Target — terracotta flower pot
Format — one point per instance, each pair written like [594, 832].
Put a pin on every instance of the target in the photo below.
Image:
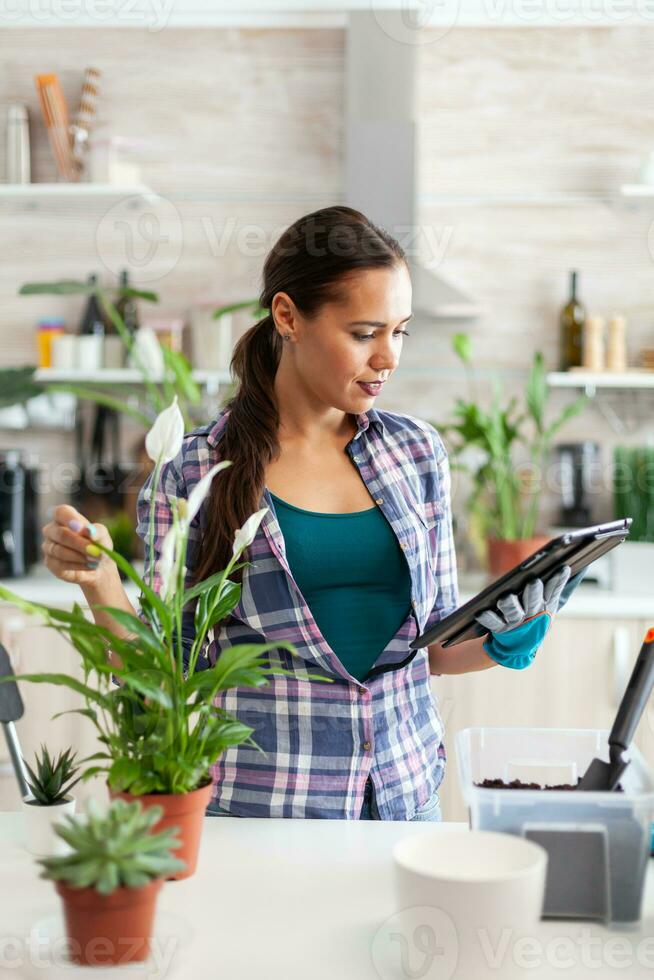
[105, 929]
[183, 810]
[504, 555]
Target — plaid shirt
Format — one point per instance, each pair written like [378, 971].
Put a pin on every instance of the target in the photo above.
[322, 741]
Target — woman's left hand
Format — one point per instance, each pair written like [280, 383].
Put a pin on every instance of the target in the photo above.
[517, 629]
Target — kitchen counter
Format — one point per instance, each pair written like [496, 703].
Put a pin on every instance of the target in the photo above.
[298, 899]
[40, 585]
[587, 602]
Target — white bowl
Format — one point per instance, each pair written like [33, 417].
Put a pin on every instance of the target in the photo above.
[468, 887]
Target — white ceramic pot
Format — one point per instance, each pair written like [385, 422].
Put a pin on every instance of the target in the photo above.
[462, 891]
[40, 838]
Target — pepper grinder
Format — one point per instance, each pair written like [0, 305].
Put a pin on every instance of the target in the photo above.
[616, 357]
[18, 145]
[593, 346]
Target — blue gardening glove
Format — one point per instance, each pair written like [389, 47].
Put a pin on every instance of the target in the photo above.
[517, 633]
[571, 586]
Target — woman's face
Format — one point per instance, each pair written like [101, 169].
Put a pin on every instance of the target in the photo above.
[358, 339]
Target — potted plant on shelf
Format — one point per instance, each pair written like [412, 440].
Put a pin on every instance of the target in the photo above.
[633, 496]
[164, 372]
[49, 783]
[159, 728]
[504, 504]
[109, 881]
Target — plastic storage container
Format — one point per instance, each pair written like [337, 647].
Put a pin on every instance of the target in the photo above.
[598, 844]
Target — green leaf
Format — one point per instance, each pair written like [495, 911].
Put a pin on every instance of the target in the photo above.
[141, 632]
[568, 413]
[248, 304]
[144, 294]
[17, 385]
[123, 773]
[462, 346]
[536, 391]
[155, 601]
[239, 665]
[150, 683]
[181, 369]
[196, 590]
[61, 680]
[62, 287]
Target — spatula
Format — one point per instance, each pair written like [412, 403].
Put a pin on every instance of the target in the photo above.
[11, 709]
[602, 775]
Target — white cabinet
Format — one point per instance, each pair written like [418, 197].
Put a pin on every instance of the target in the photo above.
[576, 681]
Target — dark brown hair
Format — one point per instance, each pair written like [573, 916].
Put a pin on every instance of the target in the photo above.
[309, 262]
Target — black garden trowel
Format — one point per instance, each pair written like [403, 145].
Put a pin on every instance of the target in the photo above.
[602, 775]
[11, 709]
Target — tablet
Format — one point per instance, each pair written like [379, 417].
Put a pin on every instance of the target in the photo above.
[576, 548]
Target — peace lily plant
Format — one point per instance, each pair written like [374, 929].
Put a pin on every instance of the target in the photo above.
[159, 729]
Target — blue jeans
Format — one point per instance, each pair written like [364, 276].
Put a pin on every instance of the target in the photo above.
[430, 810]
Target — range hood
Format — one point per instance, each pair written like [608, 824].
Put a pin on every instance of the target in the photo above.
[380, 151]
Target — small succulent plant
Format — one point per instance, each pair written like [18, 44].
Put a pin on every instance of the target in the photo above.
[113, 849]
[53, 779]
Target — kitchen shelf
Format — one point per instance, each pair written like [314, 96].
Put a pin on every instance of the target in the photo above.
[624, 398]
[513, 199]
[32, 194]
[638, 191]
[120, 376]
[591, 380]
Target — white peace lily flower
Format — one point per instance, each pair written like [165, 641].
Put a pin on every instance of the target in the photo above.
[164, 440]
[167, 563]
[147, 354]
[245, 535]
[201, 489]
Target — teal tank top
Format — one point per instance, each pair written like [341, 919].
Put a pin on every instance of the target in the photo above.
[353, 575]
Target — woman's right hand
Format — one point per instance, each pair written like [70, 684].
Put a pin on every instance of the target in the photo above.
[65, 547]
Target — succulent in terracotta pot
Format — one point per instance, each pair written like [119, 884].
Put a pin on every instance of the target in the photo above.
[110, 879]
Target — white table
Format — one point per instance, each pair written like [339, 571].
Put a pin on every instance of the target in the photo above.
[306, 900]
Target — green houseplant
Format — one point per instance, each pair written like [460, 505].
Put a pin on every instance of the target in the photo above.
[122, 533]
[504, 503]
[165, 373]
[109, 879]
[159, 728]
[49, 781]
[633, 496]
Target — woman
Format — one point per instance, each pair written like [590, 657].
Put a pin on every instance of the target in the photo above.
[353, 558]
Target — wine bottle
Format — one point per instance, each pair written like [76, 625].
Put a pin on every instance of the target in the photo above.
[572, 318]
[127, 306]
[93, 321]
